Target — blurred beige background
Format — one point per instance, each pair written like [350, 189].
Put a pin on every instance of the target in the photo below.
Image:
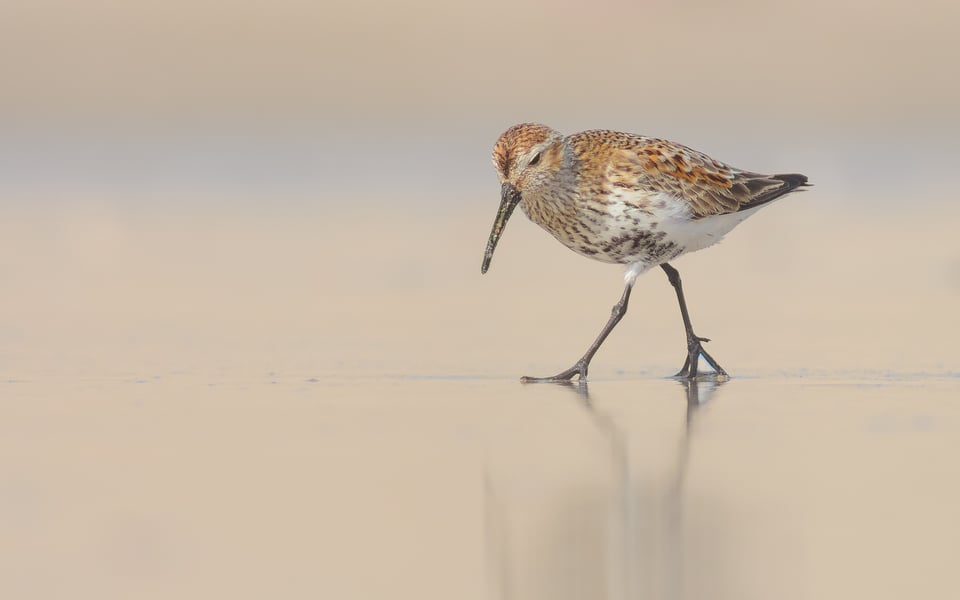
[245, 347]
[857, 64]
[182, 166]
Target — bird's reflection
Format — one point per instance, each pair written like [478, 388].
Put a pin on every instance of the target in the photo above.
[644, 524]
[647, 519]
[698, 391]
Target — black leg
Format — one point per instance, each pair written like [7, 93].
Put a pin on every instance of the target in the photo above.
[694, 343]
[580, 368]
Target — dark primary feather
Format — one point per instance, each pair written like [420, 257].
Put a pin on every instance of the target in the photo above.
[784, 184]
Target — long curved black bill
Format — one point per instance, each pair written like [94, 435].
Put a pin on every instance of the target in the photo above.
[509, 198]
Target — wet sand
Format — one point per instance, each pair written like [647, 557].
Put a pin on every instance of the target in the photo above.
[249, 405]
[786, 487]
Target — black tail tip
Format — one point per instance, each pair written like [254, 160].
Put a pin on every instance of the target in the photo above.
[794, 180]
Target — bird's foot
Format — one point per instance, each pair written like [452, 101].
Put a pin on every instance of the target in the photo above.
[578, 370]
[690, 369]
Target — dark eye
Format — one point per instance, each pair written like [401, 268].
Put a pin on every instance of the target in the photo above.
[535, 160]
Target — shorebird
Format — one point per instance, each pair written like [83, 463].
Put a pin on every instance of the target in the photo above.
[626, 199]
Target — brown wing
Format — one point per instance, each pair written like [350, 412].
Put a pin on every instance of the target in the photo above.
[709, 186]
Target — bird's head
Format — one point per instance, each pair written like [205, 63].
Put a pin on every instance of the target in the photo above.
[524, 156]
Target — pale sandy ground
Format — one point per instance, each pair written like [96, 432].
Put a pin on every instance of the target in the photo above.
[246, 404]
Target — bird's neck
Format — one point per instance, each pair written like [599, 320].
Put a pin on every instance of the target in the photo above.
[549, 204]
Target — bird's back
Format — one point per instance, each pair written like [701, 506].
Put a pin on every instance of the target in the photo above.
[611, 162]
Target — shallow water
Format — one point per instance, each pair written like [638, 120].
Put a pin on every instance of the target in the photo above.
[773, 486]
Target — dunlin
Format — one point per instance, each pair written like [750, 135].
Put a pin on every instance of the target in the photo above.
[626, 199]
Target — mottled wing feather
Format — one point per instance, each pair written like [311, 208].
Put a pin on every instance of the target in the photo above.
[707, 185]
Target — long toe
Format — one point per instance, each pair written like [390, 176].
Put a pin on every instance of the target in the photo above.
[718, 370]
[577, 370]
[558, 378]
[684, 370]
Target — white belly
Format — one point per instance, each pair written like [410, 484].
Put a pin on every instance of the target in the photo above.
[690, 235]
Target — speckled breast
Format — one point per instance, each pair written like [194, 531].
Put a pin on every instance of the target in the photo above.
[609, 231]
